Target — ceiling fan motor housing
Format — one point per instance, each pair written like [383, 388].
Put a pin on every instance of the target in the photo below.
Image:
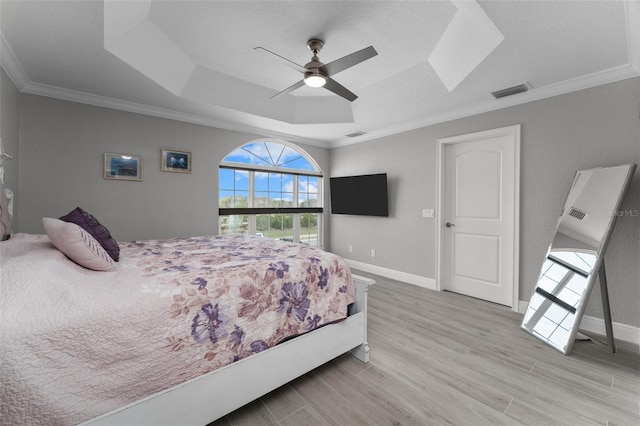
[315, 76]
[314, 65]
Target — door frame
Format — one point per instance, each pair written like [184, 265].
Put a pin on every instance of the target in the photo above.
[440, 182]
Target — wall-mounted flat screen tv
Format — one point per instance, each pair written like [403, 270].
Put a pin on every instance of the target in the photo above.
[364, 195]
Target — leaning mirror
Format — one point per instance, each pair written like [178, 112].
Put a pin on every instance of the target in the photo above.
[576, 257]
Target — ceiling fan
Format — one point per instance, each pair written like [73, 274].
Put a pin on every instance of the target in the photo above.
[317, 74]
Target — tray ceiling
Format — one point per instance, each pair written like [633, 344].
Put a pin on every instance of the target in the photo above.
[195, 60]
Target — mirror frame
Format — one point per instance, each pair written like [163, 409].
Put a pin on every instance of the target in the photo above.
[598, 267]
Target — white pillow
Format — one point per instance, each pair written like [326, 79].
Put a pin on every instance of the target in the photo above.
[78, 245]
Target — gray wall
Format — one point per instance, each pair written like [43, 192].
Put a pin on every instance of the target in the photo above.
[62, 145]
[61, 167]
[560, 135]
[9, 131]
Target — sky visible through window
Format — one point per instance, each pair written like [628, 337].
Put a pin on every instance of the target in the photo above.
[271, 188]
[270, 154]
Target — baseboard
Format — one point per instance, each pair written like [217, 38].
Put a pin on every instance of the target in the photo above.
[417, 280]
[627, 333]
[522, 307]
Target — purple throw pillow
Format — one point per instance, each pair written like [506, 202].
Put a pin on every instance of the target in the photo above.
[98, 231]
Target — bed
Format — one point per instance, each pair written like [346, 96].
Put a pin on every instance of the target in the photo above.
[178, 331]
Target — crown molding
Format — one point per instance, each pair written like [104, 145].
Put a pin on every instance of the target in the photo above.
[632, 12]
[579, 83]
[106, 102]
[11, 65]
[117, 104]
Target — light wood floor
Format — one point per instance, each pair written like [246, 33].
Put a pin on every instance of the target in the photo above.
[443, 358]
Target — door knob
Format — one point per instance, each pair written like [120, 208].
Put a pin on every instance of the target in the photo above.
[449, 224]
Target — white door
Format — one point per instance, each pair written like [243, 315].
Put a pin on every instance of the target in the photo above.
[480, 215]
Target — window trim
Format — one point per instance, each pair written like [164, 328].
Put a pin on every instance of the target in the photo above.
[228, 211]
[269, 169]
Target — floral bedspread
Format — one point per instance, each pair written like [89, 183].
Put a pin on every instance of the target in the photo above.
[75, 343]
[233, 296]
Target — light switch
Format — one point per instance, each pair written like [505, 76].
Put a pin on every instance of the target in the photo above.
[428, 213]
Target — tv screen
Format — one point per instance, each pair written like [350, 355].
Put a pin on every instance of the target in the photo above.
[364, 195]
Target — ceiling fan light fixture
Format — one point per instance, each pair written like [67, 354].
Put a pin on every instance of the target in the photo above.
[314, 79]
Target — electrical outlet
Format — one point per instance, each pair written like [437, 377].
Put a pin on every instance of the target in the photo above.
[373, 252]
[350, 249]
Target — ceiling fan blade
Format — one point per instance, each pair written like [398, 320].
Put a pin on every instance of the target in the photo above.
[289, 89]
[284, 60]
[334, 67]
[339, 89]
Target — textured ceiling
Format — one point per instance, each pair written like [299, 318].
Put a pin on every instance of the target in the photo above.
[195, 60]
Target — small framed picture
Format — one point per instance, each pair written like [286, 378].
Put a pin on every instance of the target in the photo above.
[122, 167]
[176, 160]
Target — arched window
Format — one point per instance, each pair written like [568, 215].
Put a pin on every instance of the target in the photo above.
[272, 189]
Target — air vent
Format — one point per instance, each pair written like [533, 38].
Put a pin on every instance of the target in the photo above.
[511, 90]
[356, 134]
[578, 214]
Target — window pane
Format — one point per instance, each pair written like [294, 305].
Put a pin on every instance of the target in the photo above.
[308, 191]
[234, 188]
[275, 152]
[261, 181]
[299, 163]
[241, 199]
[253, 153]
[287, 199]
[312, 186]
[287, 183]
[313, 200]
[303, 182]
[270, 154]
[226, 199]
[238, 156]
[259, 152]
[242, 180]
[309, 228]
[261, 199]
[275, 199]
[226, 179]
[234, 224]
[278, 226]
[292, 159]
[275, 182]
[262, 224]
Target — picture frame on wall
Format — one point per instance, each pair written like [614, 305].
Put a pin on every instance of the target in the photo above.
[123, 167]
[175, 160]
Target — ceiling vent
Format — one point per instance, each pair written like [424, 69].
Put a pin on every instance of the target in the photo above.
[578, 214]
[511, 90]
[356, 134]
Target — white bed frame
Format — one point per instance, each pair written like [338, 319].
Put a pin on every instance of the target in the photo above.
[207, 398]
